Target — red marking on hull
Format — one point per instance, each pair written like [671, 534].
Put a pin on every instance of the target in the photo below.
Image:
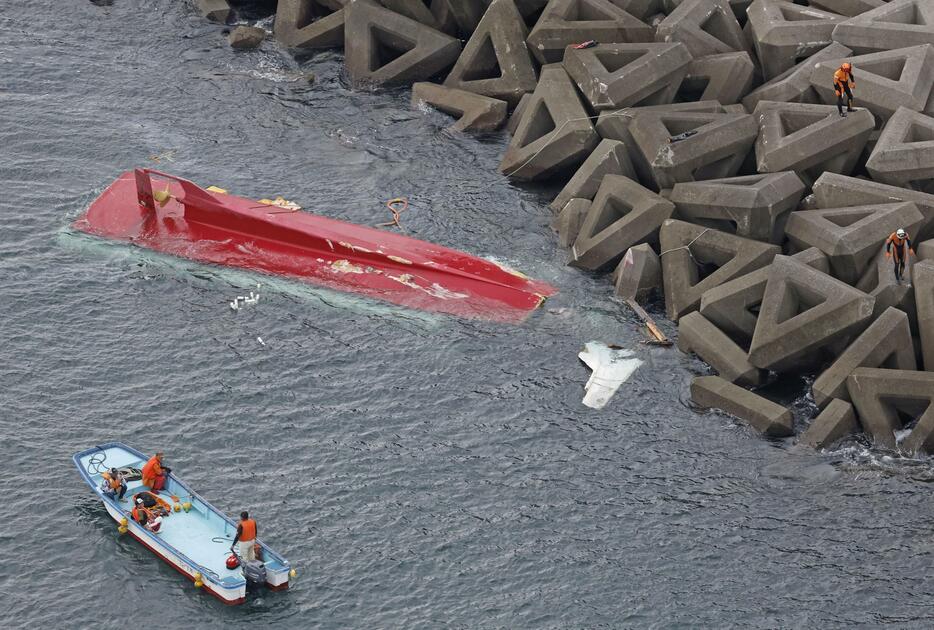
[228, 230]
[281, 587]
[205, 587]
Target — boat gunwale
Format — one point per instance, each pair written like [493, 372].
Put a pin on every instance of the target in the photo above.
[207, 573]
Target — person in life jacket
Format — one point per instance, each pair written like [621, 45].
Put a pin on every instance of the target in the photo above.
[142, 515]
[246, 536]
[898, 247]
[113, 485]
[152, 503]
[842, 84]
[155, 473]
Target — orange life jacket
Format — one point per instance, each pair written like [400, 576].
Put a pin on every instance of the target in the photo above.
[248, 529]
[151, 470]
[898, 244]
[113, 481]
[138, 511]
[842, 78]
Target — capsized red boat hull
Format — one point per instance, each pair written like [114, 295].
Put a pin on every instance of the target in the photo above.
[216, 227]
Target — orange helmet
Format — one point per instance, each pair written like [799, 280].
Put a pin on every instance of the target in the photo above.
[846, 65]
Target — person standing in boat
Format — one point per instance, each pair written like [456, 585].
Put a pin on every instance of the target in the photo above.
[113, 484]
[246, 536]
[155, 473]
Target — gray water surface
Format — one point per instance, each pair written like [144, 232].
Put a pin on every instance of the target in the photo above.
[418, 471]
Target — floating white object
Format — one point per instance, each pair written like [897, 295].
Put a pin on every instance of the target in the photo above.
[241, 300]
[611, 368]
[261, 342]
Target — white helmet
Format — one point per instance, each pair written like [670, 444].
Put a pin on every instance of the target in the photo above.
[900, 233]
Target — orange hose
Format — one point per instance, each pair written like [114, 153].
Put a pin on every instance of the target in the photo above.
[396, 212]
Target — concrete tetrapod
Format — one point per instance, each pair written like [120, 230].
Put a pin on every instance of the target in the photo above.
[689, 250]
[696, 334]
[794, 85]
[784, 32]
[215, 10]
[885, 80]
[683, 147]
[565, 22]
[882, 396]
[726, 78]
[516, 117]
[752, 206]
[733, 306]
[614, 124]
[496, 61]
[638, 274]
[832, 190]
[706, 27]
[879, 281]
[762, 414]
[530, 9]
[568, 222]
[924, 299]
[847, 8]
[834, 423]
[458, 17]
[803, 311]
[893, 25]
[904, 154]
[925, 250]
[308, 24]
[809, 139]
[609, 158]
[623, 214]
[415, 9]
[555, 132]
[628, 75]
[851, 236]
[383, 47]
[474, 112]
[886, 343]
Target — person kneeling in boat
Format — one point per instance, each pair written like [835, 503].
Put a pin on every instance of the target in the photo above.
[152, 502]
[145, 517]
[155, 473]
[112, 485]
[246, 535]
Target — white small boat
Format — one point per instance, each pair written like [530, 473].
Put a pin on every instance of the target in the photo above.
[195, 537]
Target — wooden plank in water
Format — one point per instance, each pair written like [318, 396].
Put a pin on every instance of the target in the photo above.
[660, 338]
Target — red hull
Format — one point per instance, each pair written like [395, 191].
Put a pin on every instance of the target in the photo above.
[224, 229]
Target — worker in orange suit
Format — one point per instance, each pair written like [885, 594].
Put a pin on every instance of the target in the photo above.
[246, 536]
[898, 247]
[842, 84]
[155, 473]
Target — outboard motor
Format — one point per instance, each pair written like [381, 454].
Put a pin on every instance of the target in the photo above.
[255, 573]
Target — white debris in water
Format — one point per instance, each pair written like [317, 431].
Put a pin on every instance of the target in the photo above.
[611, 368]
[243, 300]
[261, 342]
